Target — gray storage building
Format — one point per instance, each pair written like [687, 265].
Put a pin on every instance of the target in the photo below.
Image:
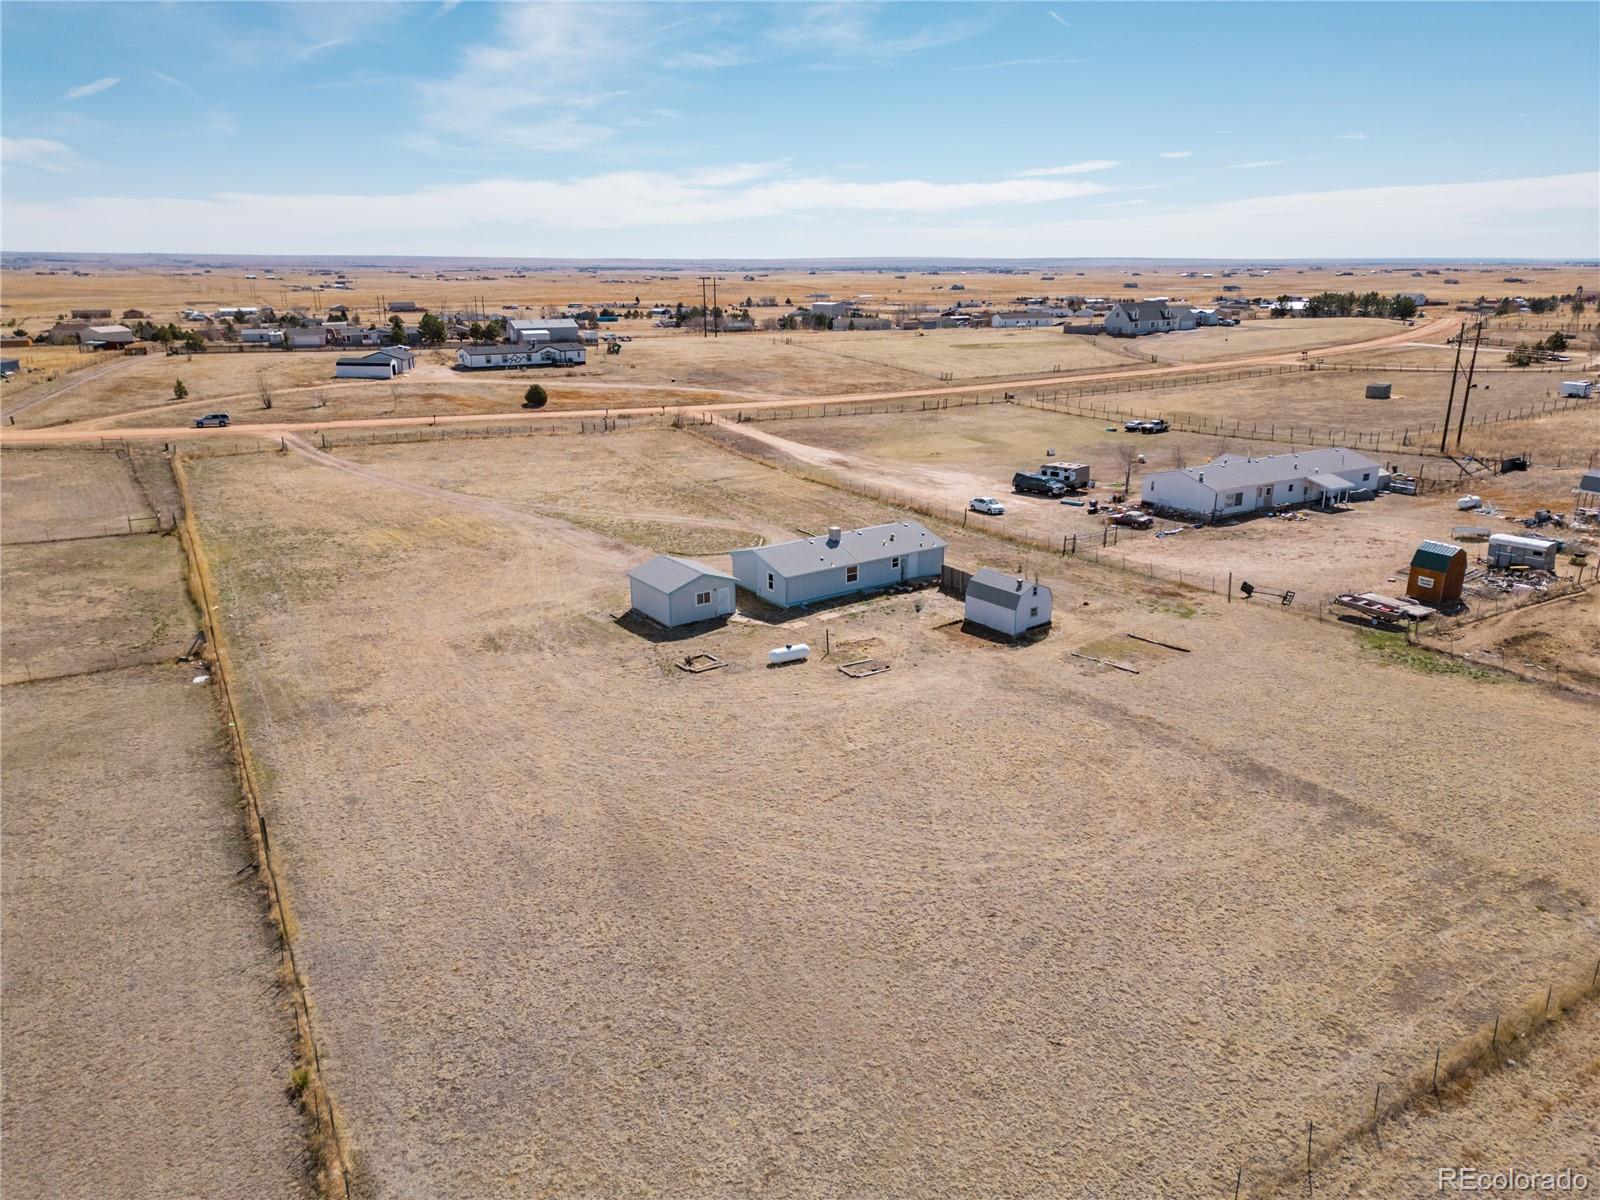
[1005, 603]
[840, 563]
[677, 591]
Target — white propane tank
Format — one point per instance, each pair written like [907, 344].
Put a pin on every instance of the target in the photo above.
[798, 652]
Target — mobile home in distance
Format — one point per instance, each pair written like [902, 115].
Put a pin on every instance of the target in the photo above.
[1234, 485]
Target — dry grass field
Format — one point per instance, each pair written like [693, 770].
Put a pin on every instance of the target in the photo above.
[49, 494]
[145, 1051]
[998, 921]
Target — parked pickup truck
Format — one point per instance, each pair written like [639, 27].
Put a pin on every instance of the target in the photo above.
[1155, 426]
[1037, 485]
[212, 421]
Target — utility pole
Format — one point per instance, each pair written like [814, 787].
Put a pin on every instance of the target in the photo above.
[705, 309]
[1450, 404]
[717, 332]
[1466, 394]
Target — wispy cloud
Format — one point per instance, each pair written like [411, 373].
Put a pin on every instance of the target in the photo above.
[172, 79]
[318, 47]
[90, 89]
[41, 154]
[1122, 204]
[1261, 162]
[1175, 154]
[1058, 18]
[221, 124]
[847, 32]
[1093, 164]
[1023, 62]
[1352, 137]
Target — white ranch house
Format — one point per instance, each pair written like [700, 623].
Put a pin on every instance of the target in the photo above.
[540, 354]
[1234, 485]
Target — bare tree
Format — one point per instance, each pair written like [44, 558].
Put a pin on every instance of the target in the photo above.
[1180, 456]
[1127, 455]
[263, 389]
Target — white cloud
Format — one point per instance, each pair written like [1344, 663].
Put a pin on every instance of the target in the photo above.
[1260, 162]
[846, 30]
[173, 80]
[1094, 164]
[1352, 137]
[511, 209]
[1058, 18]
[754, 212]
[90, 89]
[40, 153]
[1175, 154]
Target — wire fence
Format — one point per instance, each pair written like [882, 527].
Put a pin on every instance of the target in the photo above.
[68, 662]
[38, 534]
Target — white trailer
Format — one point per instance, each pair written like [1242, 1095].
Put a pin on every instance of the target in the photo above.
[1582, 389]
[1512, 550]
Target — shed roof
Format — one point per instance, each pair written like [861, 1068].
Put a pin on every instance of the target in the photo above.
[1590, 482]
[869, 544]
[377, 359]
[998, 588]
[1436, 556]
[668, 573]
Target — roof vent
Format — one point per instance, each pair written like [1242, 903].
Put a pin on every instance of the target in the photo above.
[834, 534]
[1019, 585]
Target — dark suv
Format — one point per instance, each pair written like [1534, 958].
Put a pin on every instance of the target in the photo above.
[1027, 483]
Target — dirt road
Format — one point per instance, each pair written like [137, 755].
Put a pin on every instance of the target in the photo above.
[167, 433]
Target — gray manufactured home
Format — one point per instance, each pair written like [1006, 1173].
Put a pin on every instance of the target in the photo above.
[841, 563]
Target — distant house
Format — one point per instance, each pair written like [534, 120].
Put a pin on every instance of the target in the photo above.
[1438, 570]
[1007, 604]
[377, 365]
[1022, 320]
[100, 337]
[308, 337]
[678, 591]
[63, 332]
[134, 314]
[839, 563]
[400, 306]
[261, 337]
[1135, 318]
[91, 314]
[548, 354]
[1235, 485]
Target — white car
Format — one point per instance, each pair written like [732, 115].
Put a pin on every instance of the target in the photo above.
[987, 504]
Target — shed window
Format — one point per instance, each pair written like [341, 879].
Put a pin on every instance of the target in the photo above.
[894, 564]
[702, 599]
[770, 583]
[1366, 475]
[851, 574]
[1033, 612]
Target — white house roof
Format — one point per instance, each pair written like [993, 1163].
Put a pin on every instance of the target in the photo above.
[668, 573]
[998, 588]
[1236, 470]
[1145, 310]
[109, 330]
[854, 546]
[1330, 483]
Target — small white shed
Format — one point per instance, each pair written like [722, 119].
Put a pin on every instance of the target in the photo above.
[678, 591]
[1007, 604]
[368, 366]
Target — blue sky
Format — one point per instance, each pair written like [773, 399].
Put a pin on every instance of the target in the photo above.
[791, 129]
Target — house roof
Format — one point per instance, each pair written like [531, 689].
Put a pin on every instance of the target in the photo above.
[366, 360]
[871, 544]
[108, 330]
[395, 352]
[1236, 470]
[668, 573]
[1436, 556]
[1330, 483]
[996, 587]
[1145, 310]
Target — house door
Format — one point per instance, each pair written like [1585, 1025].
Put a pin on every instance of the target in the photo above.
[724, 601]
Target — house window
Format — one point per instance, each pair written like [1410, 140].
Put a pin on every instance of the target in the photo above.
[769, 581]
[894, 564]
[1233, 500]
[1291, 487]
[702, 599]
[851, 574]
